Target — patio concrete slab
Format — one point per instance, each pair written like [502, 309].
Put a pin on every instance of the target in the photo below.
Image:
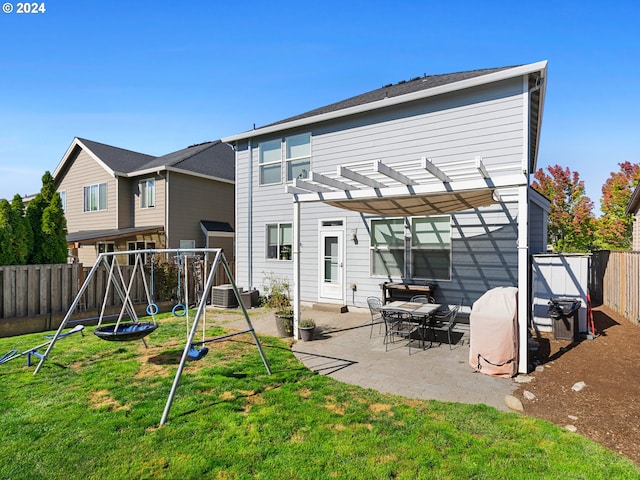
[343, 350]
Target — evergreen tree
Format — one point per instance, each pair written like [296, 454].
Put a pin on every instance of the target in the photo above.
[571, 221]
[614, 231]
[35, 211]
[7, 254]
[22, 231]
[54, 232]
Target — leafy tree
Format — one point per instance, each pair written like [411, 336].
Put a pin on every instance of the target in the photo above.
[614, 229]
[571, 221]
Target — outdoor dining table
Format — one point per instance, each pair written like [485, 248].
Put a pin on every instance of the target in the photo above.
[415, 309]
[415, 312]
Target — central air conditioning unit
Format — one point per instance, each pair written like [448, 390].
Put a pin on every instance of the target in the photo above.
[223, 296]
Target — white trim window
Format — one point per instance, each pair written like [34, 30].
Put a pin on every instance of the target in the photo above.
[431, 248]
[147, 189]
[387, 247]
[131, 246]
[63, 199]
[95, 197]
[187, 244]
[279, 241]
[417, 248]
[298, 156]
[270, 162]
[106, 247]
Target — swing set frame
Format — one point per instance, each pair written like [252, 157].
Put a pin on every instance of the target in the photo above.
[108, 259]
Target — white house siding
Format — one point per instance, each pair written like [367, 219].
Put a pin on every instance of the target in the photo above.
[636, 231]
[537, 229]
[86, 171]
[486, 122]
[484, 253]
[450, 128]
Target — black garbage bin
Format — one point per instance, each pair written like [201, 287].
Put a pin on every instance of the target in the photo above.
[564, 311]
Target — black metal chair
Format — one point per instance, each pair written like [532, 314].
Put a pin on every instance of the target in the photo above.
[446, 320]
[376, 315]
[396, 325]
[424, 323]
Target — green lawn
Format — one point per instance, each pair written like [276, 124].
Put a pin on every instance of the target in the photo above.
[93, 412]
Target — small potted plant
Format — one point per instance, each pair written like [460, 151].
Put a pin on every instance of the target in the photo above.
[277, 297]
[306, 328]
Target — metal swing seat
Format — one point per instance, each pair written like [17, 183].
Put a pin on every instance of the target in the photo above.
[125, 332]
[132, 330]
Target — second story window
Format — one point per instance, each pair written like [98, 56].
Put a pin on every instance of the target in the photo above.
[297, 159]
[147, 189]
[270, 162]
[298, 156]
[95, 197]
[63, 199]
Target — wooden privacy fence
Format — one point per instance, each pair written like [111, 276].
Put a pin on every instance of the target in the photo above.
[615, 282]
[31, 290]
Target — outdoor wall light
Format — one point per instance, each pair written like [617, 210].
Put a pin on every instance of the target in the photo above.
[354, 235]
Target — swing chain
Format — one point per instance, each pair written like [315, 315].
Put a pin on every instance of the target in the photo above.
[152, 308]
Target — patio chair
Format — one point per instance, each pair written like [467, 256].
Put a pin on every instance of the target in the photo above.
[376, 315]
[446, 321]
[396, 325]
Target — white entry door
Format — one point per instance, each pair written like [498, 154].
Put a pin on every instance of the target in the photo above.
[331, 265]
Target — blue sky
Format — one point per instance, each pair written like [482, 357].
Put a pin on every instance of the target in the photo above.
[157, 76]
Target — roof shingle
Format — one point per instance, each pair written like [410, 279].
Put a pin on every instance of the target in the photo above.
[394, 90]
[118, 159]
[214, 159]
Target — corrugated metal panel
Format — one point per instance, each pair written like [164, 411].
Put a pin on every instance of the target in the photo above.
[559, 276]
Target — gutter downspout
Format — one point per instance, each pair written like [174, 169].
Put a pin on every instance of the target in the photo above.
[117, 202]
[296, 266]
[249, 216]
[166, 211]
[524, 286]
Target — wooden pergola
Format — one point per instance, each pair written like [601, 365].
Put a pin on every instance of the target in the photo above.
[416, 188]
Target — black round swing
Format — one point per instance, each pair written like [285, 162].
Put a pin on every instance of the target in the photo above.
[125, 332]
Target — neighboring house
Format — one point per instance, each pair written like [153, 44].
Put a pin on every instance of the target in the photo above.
[117, 200]
[634, 209]
[424, 181]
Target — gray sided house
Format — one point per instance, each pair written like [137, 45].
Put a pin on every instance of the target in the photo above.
[117, 200]
[422, 182]
[633, 208]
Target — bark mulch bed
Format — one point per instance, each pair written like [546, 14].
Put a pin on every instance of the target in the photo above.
[607, 409]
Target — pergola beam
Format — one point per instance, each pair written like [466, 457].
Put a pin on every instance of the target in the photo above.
[358, 177]
[386, 170]
[503, 181]
[330, 182]
[435, 171]
[302, 184]
[481, 168]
